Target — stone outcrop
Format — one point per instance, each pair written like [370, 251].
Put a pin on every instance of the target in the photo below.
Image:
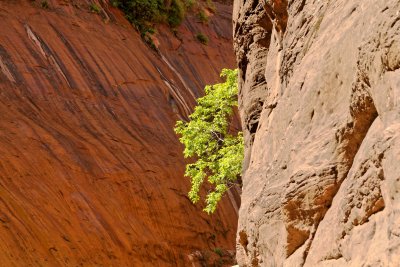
[320, 107]
[91, 172]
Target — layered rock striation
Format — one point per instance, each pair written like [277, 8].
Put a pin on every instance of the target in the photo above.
[91, 172]
[320, 107]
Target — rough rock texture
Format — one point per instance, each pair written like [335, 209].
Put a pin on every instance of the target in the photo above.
[320, 106]
[91, 172]
[196, 63]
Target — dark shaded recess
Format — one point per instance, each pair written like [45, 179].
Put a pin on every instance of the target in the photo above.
[10, 65]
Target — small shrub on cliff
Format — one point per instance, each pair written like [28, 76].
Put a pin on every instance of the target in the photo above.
[176, 13]
[202, 17]
[139, 12]
[206, 136]
[44, 4]
[144, 13]
[202, 38]
[189, 4]
[94, 8]
[218, 251]
[211, 6]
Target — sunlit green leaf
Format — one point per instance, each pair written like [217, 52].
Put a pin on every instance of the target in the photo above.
[205, 136]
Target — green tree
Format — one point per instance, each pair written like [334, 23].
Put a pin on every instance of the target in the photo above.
[206, 137]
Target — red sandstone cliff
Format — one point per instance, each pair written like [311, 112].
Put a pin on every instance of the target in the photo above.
[91, 172]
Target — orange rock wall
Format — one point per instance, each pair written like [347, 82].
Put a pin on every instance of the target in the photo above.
[91, 172]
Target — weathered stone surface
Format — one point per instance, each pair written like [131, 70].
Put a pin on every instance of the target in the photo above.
[91, 172]
[320, 106]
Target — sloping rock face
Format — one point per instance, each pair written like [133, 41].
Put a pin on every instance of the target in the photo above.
[320, 106]
[91, 172]
[198, 64]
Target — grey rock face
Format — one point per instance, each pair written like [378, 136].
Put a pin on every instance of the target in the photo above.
[320, 107]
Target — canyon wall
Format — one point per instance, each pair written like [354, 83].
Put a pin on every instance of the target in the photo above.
[320, 107]
[91, 172]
